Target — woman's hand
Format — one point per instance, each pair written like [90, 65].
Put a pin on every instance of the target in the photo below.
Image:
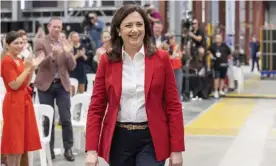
[92, 159]
[38, 60]
[176, 159]
[29, 64]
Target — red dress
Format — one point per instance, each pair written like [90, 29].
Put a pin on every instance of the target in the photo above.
[20, 131]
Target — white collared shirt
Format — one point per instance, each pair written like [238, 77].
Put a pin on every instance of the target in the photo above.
[132, 103]
[158, 41]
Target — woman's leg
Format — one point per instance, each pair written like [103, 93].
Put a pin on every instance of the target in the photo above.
[24, 159]
[18, 160]
[81, 88]
[12, 160]
[179, 78]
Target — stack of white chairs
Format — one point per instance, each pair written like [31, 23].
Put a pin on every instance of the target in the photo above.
[75, 83]
[36, 99]
[2, 94]
[42, 111]
[80, 123]
[2, 89]
[90, 80]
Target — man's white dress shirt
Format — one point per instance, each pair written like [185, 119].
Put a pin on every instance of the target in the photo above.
[132, 103]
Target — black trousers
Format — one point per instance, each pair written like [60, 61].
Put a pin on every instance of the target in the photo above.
[133, 148]
[56, 91]
[255, 59]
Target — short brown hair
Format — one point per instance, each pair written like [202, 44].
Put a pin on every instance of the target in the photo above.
[21, 32]
[54, 18]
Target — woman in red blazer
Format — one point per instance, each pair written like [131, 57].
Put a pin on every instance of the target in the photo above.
[135, 115]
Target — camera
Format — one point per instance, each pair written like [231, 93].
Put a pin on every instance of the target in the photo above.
[87, 19]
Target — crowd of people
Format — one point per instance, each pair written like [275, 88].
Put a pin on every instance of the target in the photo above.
[140, 75]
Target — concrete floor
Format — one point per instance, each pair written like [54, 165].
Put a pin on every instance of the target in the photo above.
[224, 132]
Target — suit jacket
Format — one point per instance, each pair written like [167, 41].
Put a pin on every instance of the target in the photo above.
[163, 38]
[163, 106]
[50, 65]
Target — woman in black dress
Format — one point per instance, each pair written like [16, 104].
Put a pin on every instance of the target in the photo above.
[79, 54]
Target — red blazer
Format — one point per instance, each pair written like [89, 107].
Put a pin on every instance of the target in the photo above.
[163, 106]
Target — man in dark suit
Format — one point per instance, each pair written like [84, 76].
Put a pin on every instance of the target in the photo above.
[52, 82]
[158, 38]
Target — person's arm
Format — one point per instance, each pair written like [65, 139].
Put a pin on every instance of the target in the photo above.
[39, 50]
[11, 77]
[83, 54]
[198, 37]
[70, 61]
[173, 107]
[97, 108]
[99, 52]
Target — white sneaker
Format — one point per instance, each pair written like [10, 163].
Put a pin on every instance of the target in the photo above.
[216, 95]
[221, 93]
[195, 98]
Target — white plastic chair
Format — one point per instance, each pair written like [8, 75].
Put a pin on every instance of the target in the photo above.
[1, 118]
[75, 83]
[41, 111]
[2, 87]
[84, 100]
[90, 80]
[36, 99]
[239, 77]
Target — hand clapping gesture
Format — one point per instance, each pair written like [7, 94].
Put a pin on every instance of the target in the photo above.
[67, 46]
[57, 49]
[32, 63]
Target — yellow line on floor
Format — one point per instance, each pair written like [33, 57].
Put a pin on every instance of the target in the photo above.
[273, 133]
[250, 95]
[224, 118]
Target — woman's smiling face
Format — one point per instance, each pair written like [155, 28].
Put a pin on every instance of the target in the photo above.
[132, 30]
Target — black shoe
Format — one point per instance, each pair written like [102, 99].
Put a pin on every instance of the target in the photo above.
[68, 154]
[53, 155]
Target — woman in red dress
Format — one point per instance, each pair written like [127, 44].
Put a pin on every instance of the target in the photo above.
[20, 132]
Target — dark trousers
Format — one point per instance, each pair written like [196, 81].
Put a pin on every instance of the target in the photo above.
[133, 148]
[255, 60]
[179, 79]
[56, 91]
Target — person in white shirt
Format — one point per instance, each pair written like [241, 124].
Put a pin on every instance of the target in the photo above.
[143, 123]
[106, 44]
[27, 49]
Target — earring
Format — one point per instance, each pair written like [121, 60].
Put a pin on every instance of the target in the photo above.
[119, 34]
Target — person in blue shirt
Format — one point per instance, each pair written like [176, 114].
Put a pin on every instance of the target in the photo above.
[254, 49]
[95, 29]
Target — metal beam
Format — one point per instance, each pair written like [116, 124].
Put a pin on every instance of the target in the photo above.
[15, 9]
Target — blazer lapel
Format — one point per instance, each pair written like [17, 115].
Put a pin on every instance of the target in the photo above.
[149, 68]
[117, 78]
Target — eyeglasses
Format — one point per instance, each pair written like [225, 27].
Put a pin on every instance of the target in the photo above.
[194, 23]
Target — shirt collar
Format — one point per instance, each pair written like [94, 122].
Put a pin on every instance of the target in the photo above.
[140, 52]
[54, 41]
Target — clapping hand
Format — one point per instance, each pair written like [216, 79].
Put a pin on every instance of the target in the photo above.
[29, 64]
[38, 60]
[108, 47]
[67, 46]
[56, 49]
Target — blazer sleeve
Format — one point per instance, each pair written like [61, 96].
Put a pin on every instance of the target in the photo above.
[173, 107]
[97, 107]
[39, 49]
[70, 61]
